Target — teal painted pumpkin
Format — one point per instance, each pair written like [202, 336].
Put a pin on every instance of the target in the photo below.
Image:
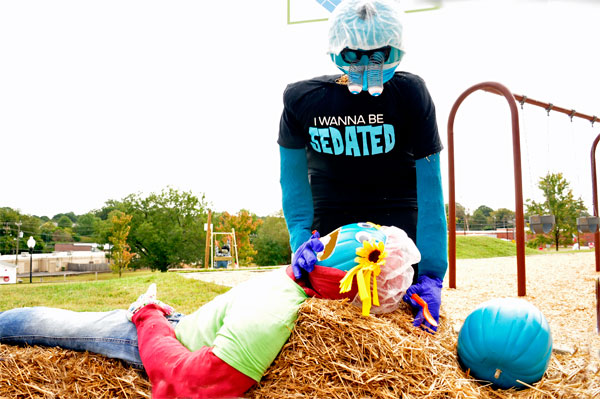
[505, 340]
[340, 245]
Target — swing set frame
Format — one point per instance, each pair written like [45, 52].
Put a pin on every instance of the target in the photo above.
[512, 99]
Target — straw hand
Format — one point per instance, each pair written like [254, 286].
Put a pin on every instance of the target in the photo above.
[147, 298]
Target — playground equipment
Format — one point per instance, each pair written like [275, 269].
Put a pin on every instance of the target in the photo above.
[598, 305]
[541, 223]
[211, 238]
[499, 89]
[221, 256]
[587, 224]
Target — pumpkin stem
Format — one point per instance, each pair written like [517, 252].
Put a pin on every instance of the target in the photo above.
[497, 373]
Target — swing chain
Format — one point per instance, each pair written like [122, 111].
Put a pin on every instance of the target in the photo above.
[522, 101]
[550, 106]
[572, 114]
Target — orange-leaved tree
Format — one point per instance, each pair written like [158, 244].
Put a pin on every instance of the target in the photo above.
[121, 252]
[245, 224]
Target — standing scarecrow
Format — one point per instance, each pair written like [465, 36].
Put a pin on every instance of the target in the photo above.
[365, 146]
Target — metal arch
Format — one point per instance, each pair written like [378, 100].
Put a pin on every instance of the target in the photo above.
[500, 89]
[595, 201]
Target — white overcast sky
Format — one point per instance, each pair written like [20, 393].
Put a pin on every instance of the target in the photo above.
[100, 99]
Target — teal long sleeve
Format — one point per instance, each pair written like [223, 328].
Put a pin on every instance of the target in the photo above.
[431, 223]
[296, 195]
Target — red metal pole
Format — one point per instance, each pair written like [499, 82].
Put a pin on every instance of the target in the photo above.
[496, 88]
[595, 202]
[451, 199]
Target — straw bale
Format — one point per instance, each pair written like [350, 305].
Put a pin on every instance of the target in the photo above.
[334, 352]
[36, 372]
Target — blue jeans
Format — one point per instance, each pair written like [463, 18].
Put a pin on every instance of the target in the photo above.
[108, 333]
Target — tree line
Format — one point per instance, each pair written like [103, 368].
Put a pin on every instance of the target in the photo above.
[166, 229]
[162, 230]
[559, 200]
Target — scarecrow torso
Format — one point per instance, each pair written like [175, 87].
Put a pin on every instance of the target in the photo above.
[361, 150]
[248, 325]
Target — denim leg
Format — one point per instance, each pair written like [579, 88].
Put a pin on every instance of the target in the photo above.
[107, 333]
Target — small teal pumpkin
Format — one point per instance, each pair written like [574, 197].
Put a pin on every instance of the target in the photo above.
[341, 244]
[505, 340]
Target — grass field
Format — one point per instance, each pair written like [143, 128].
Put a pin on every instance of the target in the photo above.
[186, 295]
[470, 247]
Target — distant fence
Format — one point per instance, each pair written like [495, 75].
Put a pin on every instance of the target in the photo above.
[88, 267]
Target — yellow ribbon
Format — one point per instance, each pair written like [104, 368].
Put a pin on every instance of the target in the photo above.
[363, 273]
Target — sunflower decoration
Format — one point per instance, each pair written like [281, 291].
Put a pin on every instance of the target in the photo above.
[370, 257]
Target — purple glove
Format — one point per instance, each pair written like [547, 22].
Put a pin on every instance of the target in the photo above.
[430, 290]
[305, 256]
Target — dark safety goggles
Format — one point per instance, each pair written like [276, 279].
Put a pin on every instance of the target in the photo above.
[351, 55]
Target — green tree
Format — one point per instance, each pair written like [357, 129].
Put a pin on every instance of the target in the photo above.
[245, 224]
[272, 242]
[560, 202]
[481, 219]
[46, 231]
[86, 227]
[70, 215]
[167, 229]
[9, 231]
[17, 228]
[461, 216]
[64, 222]
[503, 217]
[103, 225]
[105, 211]
[61, 236]
[121, 254]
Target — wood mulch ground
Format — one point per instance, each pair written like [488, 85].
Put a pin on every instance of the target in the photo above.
[561, 285]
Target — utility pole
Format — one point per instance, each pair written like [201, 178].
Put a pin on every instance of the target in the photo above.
[18, 237]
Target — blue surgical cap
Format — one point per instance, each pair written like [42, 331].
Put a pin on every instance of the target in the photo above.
[366, 25]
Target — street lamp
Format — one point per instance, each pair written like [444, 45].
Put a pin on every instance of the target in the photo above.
[31, 245]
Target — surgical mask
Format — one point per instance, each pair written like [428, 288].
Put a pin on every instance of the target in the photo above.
[366, 73]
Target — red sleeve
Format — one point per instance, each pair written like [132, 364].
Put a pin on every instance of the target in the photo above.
[174, 371]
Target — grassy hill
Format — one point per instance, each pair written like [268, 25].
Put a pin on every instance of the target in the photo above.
[471, 247]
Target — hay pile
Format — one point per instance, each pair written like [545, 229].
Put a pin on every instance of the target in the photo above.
[35, 372]
[335, 353]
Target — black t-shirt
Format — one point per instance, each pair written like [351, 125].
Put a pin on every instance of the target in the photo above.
[361, 150]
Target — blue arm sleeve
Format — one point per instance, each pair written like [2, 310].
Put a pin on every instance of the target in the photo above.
[431, 223]
[296, 195]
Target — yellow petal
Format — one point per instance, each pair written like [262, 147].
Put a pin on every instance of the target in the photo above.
[363, 252]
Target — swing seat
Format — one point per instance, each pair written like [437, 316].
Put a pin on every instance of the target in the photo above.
[588, 224]
[541, 223]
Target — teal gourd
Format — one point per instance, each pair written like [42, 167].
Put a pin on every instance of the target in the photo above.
[505, 340]
[341, 244]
